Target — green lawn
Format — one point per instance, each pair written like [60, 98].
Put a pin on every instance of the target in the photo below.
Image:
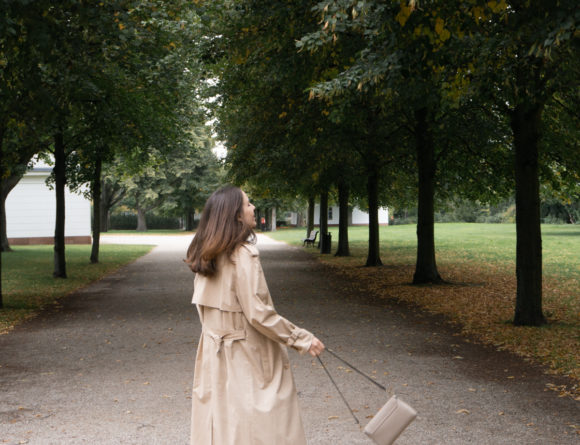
[28, 285]
[461, 242]
[148, 232]
[480, 260]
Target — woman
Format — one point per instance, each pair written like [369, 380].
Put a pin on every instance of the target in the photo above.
[243, 389]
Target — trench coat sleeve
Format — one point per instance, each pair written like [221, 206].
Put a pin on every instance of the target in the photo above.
[256, 302]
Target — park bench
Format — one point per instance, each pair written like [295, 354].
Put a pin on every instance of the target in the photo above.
[311, 239]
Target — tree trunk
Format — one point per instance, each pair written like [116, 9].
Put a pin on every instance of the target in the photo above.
[3, 224]
[373, 257]
[324, 248]
[343, 247]
[310, 217]
[141, 221]
[525, 123]
[426, 267]
[299, 219]
[96, 192]
[189, 220]
[59, 185]
[104, 212]
[267, 218]
[111, 194]
[7, 185]
[3, 213]
[274, 219]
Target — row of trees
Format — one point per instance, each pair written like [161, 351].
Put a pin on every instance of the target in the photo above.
[392, 103]
[109, 92]
[552, 211]
[384, 102]
[175, 182]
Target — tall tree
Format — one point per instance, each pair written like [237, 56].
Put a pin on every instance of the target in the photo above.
[310, 216]
[59, 172]
[102, 75]
[323, 222]
[343, 211]
[417, 60]
[277, 139]
[529, 54]
[22, 130]
[175, 182]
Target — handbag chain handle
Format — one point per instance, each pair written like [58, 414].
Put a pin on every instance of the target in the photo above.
[356, 369]
[353, 368]
[339, 391]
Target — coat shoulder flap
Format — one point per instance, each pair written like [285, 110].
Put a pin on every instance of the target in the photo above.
[249, 249]
[218, 291]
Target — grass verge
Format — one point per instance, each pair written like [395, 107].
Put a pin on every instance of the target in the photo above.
[147, 232]
[479, 261]
[28, 285]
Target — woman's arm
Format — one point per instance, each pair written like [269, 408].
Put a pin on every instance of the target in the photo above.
[254, 298]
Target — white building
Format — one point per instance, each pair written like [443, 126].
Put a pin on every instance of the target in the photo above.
[31, 211]
[356, 217]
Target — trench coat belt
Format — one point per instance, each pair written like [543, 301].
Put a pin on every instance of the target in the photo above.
[220, 336]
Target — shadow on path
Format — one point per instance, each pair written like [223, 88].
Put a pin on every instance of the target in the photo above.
[114, 365]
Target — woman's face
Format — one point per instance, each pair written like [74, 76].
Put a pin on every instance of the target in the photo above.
[247, 215]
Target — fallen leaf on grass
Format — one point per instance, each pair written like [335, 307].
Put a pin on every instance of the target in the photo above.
[485, 311]
[462, 411]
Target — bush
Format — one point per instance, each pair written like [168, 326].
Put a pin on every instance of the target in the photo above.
[123, 221]
[128, 221]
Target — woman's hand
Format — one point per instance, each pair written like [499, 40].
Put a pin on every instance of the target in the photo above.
[316, 347]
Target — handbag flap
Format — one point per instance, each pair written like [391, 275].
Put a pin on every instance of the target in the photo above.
[390, 421]
[384, 413]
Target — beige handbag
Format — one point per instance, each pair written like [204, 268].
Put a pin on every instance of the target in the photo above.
[392, 418]
[390, 421]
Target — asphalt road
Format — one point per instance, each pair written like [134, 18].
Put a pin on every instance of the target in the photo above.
[114, 363]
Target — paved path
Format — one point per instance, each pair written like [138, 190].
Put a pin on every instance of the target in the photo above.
[115, 364]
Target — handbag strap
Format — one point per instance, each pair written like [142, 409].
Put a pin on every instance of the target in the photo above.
[339, 391]
[354, 368]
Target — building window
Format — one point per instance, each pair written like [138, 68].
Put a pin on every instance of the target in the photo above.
[330, 213]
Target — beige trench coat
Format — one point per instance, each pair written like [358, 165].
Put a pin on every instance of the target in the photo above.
[243, 388]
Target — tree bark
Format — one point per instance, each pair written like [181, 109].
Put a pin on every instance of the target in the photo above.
[373, 257]
[3, 228]
[268, 218]
[141, 220]
[324, 248]
[104, 212]
[310, 217]
[526, 123]
[426, 266]
[59, 185]
[3, 213]
[7, 185]
[343, 247]
[110, 196]
[274, 219]
[96, 193]
[189, 219]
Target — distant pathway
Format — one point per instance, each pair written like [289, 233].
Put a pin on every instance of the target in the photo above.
[115, 364]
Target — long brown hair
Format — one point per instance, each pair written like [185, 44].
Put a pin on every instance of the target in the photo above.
[221, 229]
